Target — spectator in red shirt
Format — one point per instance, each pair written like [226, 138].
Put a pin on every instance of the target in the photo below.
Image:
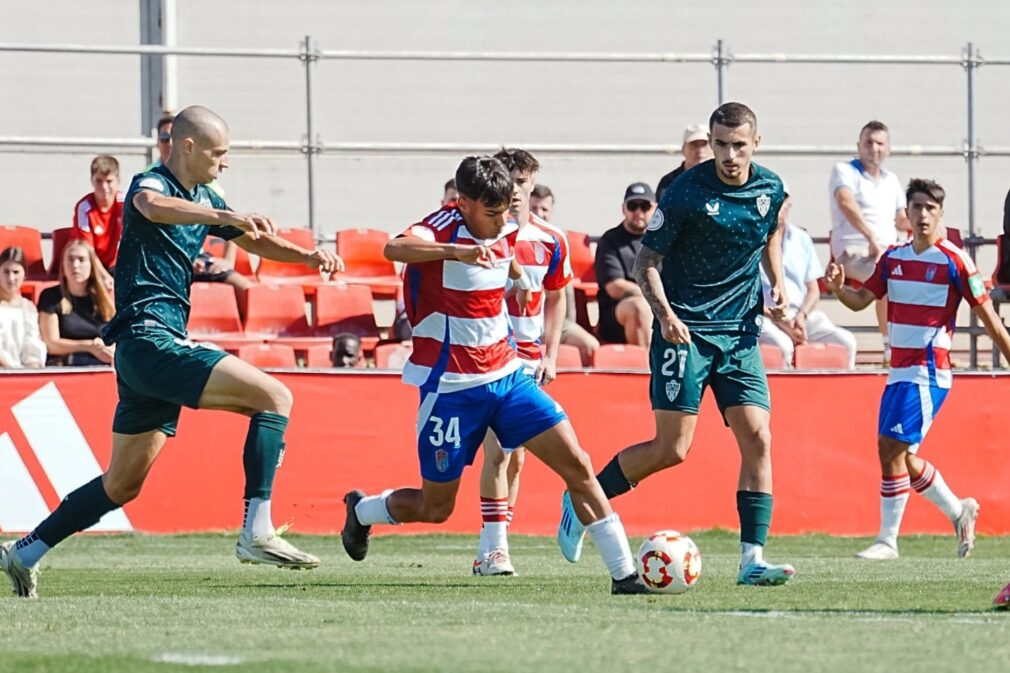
[98, 217]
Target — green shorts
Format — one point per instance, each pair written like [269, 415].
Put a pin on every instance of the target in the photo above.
[730, 363]
[157, 374]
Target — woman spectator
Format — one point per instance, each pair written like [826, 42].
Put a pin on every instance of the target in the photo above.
[20, 345]
[71, 314]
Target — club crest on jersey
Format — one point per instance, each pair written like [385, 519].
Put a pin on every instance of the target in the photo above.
[538, 253]
[930, 272]
[764, 203]
[441, 460]
[672, 390]
[657, 220]
[712, 208]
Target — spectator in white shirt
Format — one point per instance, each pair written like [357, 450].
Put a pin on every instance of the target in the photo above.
[20, 343]
[867, 211]
[802, 323]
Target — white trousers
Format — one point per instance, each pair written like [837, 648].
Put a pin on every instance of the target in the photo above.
[820, 329]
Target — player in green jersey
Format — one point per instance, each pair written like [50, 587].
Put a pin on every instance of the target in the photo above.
[168, 213]
[699, 271]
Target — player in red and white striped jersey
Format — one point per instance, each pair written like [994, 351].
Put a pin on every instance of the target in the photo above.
[542, 253]
[458, 263]
[924, 281]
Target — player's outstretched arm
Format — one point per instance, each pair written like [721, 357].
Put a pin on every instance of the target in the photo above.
[646, 273]
[857, 300]
[162, 209]
[994, 327]
[282, 250]
[415, 250]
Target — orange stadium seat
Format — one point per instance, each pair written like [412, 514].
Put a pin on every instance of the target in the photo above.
[772, 357]
[214, 310]
[361, 250]
[28, 239]
[281, 273]
[61, 237]
[569, 357]
[275, 311]
[821, 356]
[386, 354]
[345, 308]
[582, 259]
[319, 356]
[268, 355]
[621, 356]
[216, 247]
[954, 236]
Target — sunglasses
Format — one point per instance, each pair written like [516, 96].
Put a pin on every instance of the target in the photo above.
[644, 206]
[164, 137]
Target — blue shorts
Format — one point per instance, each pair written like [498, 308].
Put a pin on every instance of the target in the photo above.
[907, 410]
[451, 426]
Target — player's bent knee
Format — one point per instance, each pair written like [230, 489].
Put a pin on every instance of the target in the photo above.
[673, 453]
[279, 399]
[122, 490]
[890, 449]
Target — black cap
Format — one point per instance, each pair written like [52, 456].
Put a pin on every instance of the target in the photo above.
[639, 191]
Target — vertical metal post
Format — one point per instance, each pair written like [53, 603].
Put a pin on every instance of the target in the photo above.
[308, 57]
[719, 59]
[971, 155]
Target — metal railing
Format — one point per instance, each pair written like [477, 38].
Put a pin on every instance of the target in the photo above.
[310, 145]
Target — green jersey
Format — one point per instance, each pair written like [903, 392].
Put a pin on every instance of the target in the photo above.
[712, 236]
[155, 265]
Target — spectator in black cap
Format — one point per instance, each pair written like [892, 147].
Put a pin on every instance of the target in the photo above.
[625, 316]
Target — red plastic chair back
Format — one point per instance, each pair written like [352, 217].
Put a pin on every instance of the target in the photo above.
[268, 355]
[277, 310]
[621, 356]
[28, 239]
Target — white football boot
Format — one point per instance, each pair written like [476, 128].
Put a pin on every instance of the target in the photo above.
[964, 526]
[24, 580]
[495, 563]
[878, 551]
[273, 550]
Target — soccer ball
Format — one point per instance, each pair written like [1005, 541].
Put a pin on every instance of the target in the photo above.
[669, 562]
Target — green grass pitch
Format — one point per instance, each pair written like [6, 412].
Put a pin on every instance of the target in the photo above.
[183, 603]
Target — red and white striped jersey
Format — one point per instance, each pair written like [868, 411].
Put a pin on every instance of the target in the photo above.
[923, 291]
[542, 251]
[461, 333]
[101, 230]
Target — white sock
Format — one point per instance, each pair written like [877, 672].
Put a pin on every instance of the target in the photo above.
[372, 509]
[493, 536]
[893, 498]
[257, 521]
[931, 485]
[30, 550]
[751, 553]
[609, 537]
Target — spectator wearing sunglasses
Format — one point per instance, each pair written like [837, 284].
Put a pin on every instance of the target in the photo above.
[625, 316]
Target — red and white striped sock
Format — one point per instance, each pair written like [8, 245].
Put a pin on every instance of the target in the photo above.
[508, 516]
[894, 492]
[494, 513]
[931, 485]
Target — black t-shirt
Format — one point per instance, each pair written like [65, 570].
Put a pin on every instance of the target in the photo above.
[615, 258]
[665, 181]
[83, 322]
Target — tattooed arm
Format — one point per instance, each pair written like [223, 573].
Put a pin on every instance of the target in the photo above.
[646, 273]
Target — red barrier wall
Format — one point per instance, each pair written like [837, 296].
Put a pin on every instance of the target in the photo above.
[356, 430]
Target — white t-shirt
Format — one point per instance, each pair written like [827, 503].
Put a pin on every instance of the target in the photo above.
[20, 342]
[799, 265]
[878, 200]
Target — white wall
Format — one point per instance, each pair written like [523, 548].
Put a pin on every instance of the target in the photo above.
[511, 103]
